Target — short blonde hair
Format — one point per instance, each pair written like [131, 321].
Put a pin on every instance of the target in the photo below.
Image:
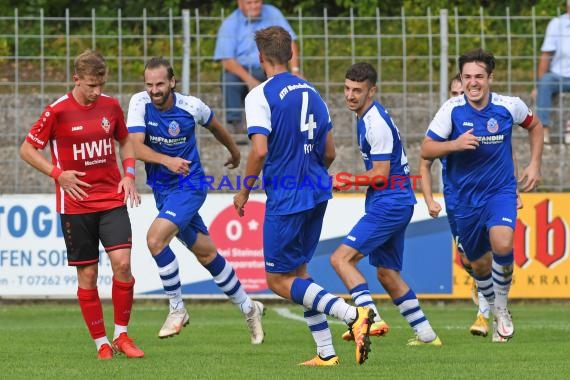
[91, 63]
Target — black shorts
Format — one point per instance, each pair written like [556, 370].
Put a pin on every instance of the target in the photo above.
[82, 233]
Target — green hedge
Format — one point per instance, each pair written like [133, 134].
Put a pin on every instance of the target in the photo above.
[417, 66]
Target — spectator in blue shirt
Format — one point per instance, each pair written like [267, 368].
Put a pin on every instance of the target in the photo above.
[553, 67]
[236, 49]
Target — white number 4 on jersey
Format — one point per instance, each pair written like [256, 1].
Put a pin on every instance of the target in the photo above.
[310, 125]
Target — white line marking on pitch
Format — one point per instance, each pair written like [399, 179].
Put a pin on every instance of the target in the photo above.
[286, 313]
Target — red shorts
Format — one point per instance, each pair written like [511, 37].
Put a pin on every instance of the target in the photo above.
[82, 233]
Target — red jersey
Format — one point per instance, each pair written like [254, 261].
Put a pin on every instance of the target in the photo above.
[83, 138]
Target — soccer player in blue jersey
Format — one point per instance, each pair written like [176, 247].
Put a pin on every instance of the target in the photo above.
[480, 327]
[474, 133]
[162, 124]
[290, 130]
[389, 206]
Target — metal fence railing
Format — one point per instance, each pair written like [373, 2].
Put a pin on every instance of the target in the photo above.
[415, 55]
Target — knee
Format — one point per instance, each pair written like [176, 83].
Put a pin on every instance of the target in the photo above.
[87, 277]
[503, 248]
[155, 244]
[337, 261]
[343, 257]
[122, 269]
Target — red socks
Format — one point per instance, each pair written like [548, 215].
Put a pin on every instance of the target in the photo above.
[92, 311]
[122, 294]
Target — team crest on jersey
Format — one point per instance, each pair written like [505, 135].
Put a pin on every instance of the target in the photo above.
[492, 125]
[173, 128]
[106, 124]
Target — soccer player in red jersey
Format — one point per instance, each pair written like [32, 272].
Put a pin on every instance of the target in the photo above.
[91, 194]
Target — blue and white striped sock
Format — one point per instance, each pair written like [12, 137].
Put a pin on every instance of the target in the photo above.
[319, 327]
[314, 297]
[485, 286]
[226, 279]
[502, 274]
[168, 271]
[410, 309]
[361, 296]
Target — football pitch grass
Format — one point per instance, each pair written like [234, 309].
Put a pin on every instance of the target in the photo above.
[48, 340]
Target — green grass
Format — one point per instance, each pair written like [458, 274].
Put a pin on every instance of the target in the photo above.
[49, 340]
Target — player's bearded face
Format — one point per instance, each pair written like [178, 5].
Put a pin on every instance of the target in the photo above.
[159, 97]
[159, 87]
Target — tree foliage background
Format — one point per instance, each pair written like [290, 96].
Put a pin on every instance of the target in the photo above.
[309, 7]
[414, 70]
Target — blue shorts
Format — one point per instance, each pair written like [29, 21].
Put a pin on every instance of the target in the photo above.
[453, 228]
[380, 235]
[181, 208]
[473, 224]
[289, 241]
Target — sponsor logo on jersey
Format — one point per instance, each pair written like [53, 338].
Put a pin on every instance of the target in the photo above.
[173, 128]
[163, 140]
[492, 125]
[467, 124]
[36, 139]
[98, 161]
[171, 213]
[153, 123]
[89, 150]
[106, 124]
[494, 139]
[351, 238]
[505, 219]
[77, 128]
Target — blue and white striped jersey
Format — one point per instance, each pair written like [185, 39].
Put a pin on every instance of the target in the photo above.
[296, 120]
[171, 132]
[379, 140]
[475, 175]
